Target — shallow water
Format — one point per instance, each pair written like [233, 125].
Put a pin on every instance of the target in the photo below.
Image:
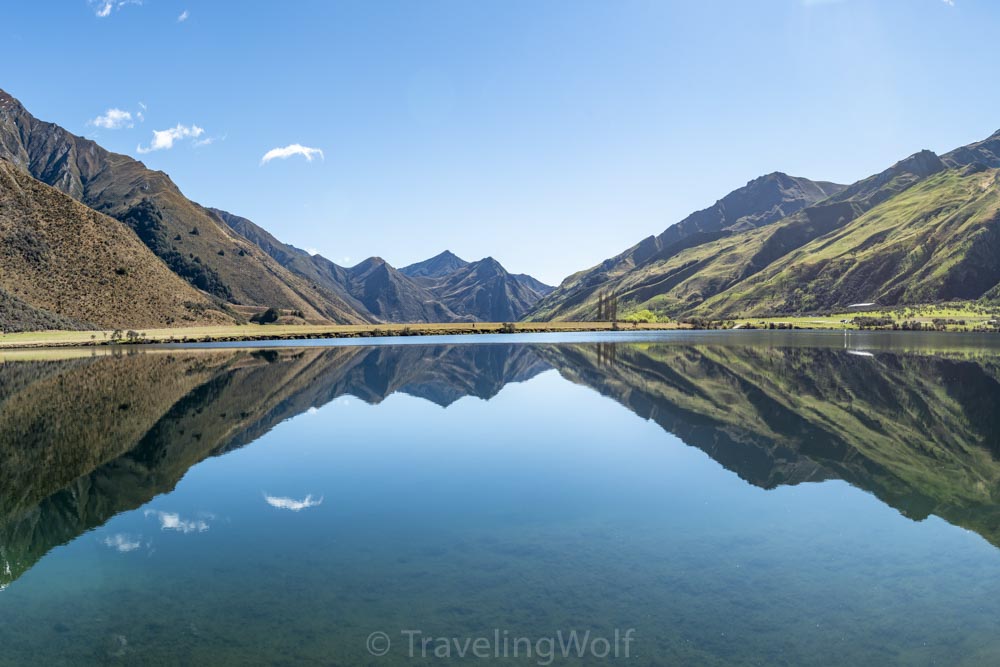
[743, 498]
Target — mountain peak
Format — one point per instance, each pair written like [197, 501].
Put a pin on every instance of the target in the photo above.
[488, 266]
[438, 266]
[922, 163]
[773, 176]
[985, 152]
[370, 263]
[8, 101]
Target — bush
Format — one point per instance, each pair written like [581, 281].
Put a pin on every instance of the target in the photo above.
[267, 317]
[644, 315]
[147, 222]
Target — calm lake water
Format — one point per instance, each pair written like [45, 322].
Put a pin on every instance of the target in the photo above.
[715, 498]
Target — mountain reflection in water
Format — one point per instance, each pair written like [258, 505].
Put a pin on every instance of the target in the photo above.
[84, 439]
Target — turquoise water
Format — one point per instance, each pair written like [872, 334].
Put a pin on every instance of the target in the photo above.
[740, 499]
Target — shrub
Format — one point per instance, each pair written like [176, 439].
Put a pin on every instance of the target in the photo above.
[147, 222]
[267, 317]
[644, 315]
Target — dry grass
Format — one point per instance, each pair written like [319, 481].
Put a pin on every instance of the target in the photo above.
[61, 257]
[260, 332]
[969, 314]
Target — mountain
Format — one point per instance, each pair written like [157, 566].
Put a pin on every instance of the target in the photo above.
[227, 260]
[444, 288]
[63, 265]
[392, 297]
[919, 431]
[320, 273]
[84, 439]
[447, 289]
[373, 290]
[985, 152]
[190, 240]
[760, 202]
[435, 267]
[486, 291]
[923, 230]
[938, 241]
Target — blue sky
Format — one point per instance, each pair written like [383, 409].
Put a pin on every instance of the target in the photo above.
[547, 134]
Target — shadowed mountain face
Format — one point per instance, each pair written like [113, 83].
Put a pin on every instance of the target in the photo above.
[436, 267]
[484, 290]
[444, 288]
[84, 439]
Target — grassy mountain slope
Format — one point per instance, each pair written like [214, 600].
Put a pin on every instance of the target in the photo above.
[687, 277]
[759, 203]
[192, 241]
[63, 264]
[939, 240]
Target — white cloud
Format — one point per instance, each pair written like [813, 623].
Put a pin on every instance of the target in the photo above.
[312, 251]
[292, 504]
[103, 8]
[172, 521]
[289, 151]
[208, 141]
[183, 17]
[164, 139]
[122, 543]
[113, 119]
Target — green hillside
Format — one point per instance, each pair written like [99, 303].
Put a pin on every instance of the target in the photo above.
[923, 231]
[938, 241]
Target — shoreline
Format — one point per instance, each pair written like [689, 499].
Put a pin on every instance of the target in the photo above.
[251, 333]
[255, 333]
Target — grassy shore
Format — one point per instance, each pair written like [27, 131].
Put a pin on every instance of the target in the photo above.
[261, 332]
[946, 317]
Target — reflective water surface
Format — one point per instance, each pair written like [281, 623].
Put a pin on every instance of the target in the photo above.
[742, 498]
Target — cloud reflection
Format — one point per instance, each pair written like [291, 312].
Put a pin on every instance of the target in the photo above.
[292, 504]
[173, 521]
[122, 543]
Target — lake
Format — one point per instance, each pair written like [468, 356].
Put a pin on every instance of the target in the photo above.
[689, 498]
